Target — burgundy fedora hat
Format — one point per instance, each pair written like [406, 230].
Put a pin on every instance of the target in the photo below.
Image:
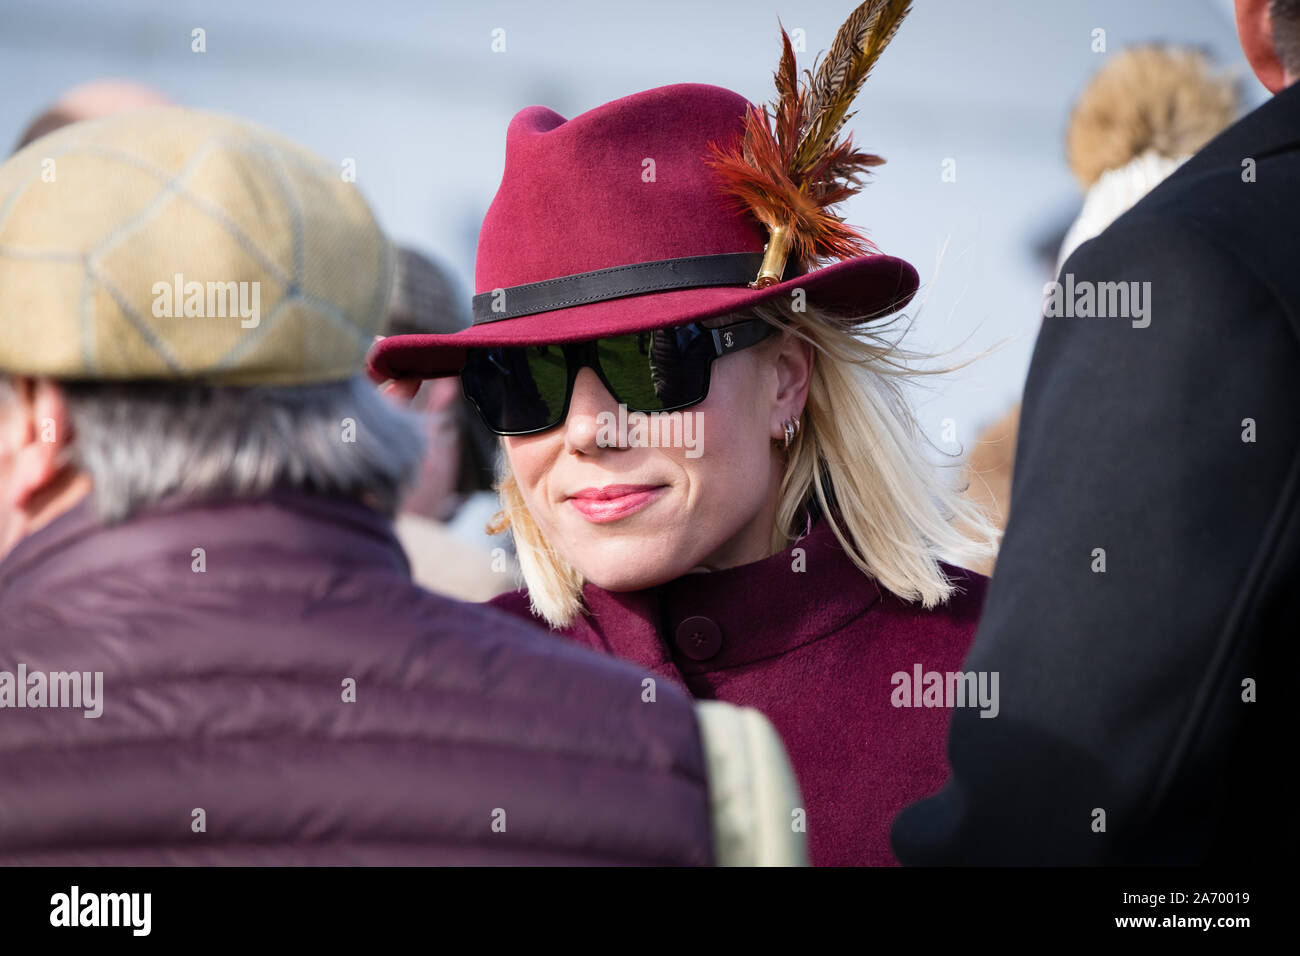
[613, 222]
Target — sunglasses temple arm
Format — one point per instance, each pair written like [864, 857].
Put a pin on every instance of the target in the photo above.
[741, 335]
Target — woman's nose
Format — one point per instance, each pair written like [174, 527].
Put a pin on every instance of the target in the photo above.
[593, 413]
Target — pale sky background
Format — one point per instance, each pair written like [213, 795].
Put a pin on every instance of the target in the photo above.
[413, 92]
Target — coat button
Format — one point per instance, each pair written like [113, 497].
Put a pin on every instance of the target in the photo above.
[698, 638]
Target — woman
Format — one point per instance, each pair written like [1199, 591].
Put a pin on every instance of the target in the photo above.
[782, 546]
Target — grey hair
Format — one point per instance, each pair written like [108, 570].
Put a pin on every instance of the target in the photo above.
[1285, 15]
[141, 442]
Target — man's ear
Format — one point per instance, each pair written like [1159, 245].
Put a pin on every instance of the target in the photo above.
[1255, 30]
[42, 431]
[794, 366]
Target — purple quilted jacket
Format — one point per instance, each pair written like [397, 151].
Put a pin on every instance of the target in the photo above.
[275, 690]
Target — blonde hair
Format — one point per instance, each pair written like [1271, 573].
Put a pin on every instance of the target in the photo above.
[858, 455]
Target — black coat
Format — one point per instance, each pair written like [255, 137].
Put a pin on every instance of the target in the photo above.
[1122, 690]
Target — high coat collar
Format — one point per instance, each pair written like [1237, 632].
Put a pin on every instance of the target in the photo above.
[761, 610]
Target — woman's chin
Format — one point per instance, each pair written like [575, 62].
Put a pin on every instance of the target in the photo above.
[630, 565]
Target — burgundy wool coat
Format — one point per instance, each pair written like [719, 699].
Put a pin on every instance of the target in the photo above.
[813, 643]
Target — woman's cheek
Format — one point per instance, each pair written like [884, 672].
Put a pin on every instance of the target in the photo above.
[723, 476]
[528, 465]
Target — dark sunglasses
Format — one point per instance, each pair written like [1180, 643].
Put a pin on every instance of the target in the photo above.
[523, 389]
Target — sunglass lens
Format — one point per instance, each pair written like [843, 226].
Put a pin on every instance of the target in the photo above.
[517, 389]
[651, 371]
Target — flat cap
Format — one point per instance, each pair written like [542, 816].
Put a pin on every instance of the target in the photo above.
[175, 244]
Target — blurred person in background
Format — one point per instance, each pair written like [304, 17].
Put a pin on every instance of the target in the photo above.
[444, 516]
[798, 558]
[1144, 612]
[91, 100]
[211, 650]
[1141, 117]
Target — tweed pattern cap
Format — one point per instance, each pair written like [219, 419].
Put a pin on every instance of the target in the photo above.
[174, 244]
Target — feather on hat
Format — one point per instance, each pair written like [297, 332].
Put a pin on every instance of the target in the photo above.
[791, 166]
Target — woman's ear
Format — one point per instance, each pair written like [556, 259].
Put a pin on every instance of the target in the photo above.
[794, 367]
